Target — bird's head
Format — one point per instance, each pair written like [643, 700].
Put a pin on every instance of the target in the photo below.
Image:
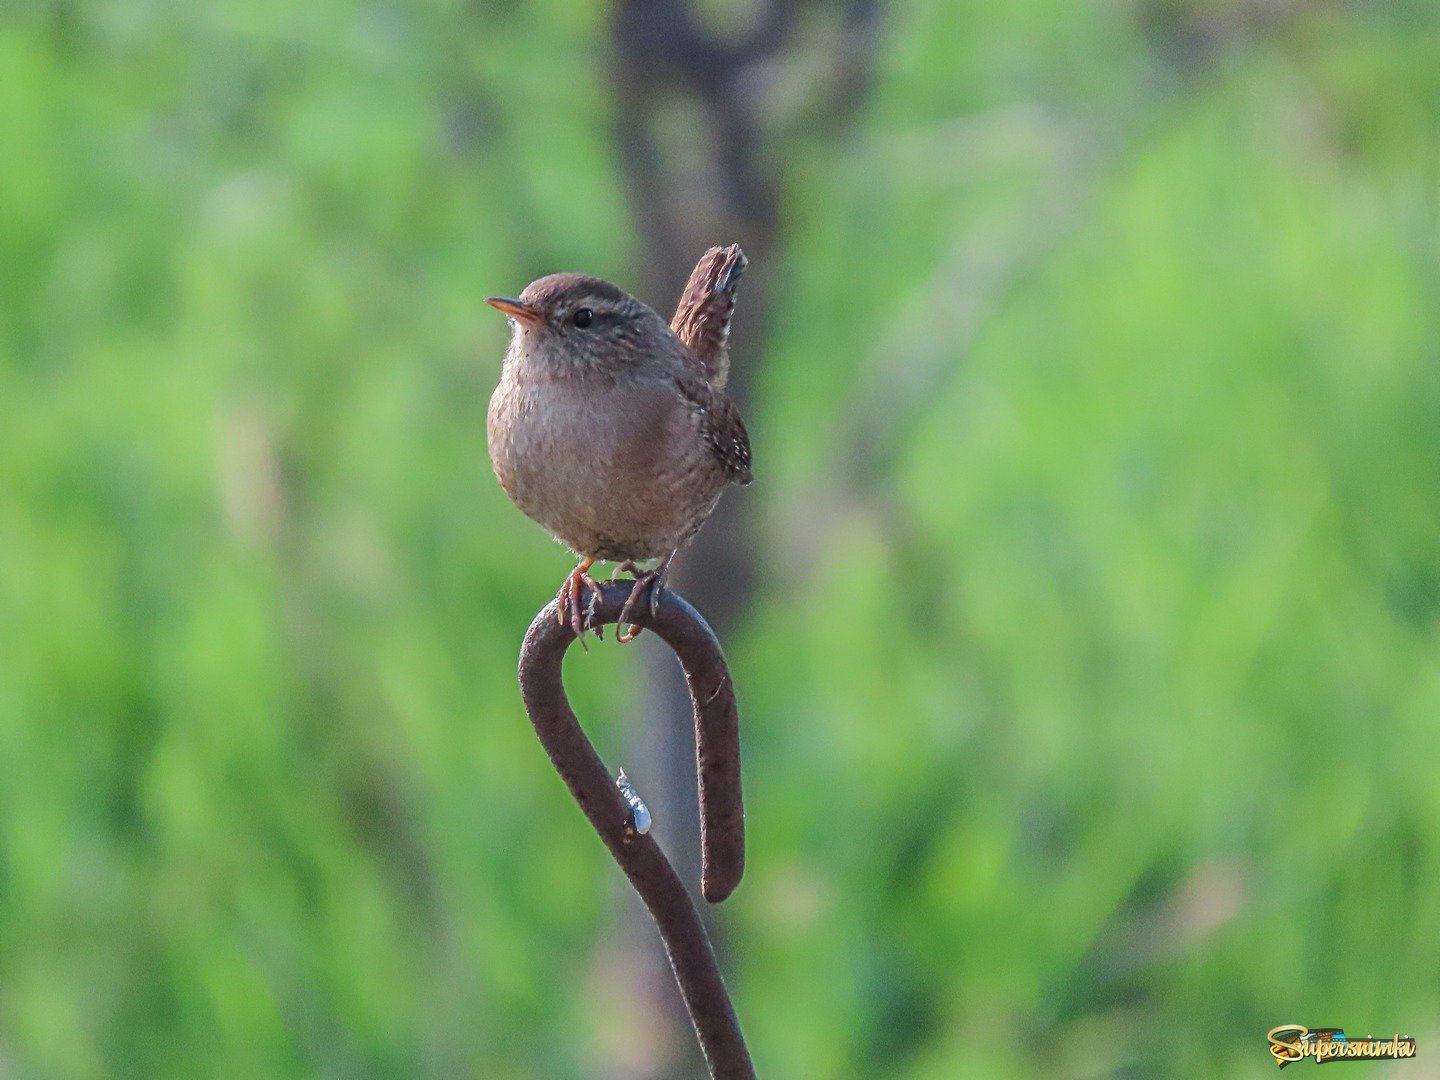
[575, 322]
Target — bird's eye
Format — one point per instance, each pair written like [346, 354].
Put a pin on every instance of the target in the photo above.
[583, 318]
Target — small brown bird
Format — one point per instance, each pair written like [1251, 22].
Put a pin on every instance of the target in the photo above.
[612, 429]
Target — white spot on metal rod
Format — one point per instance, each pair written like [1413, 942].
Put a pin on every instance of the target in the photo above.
[639, 813]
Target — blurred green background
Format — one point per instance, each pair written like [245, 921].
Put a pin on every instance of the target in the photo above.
[1085, 610]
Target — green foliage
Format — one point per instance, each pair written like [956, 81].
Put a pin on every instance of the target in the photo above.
[1090, 708]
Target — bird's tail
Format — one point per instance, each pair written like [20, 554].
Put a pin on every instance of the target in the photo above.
[702, 318]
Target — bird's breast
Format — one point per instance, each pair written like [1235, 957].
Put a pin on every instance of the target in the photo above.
[615, 469]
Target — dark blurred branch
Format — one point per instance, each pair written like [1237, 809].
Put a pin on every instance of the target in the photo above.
[663, 54]
[717, 750]
[834, 102]
[701, 152]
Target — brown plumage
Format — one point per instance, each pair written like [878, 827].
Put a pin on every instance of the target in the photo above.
[702, 318]
[612, 429]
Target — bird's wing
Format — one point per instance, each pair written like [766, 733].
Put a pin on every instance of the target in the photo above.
[720, 426]
[702, 318]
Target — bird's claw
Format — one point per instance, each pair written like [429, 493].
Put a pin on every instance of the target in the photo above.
[573, 609]
[644, 583]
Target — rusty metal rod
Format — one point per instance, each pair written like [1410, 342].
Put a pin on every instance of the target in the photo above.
[717, 748]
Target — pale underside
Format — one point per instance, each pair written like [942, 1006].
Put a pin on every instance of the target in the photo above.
[616, 469]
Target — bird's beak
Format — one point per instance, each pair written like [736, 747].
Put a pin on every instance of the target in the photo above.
[516, 309]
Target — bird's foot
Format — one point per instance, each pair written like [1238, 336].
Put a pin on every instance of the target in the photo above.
[651, 582]
[573, 608]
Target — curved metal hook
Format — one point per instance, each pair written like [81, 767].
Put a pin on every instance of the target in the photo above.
[722, 824]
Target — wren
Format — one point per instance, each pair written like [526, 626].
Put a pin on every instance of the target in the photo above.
[612, 429]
